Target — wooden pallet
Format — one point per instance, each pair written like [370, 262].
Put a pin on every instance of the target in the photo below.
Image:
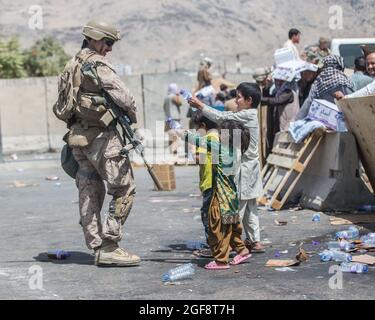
[285, 166]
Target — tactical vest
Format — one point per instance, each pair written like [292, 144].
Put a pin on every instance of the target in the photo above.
[87, 113]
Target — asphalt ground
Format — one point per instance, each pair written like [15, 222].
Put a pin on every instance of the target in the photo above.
[44, 216]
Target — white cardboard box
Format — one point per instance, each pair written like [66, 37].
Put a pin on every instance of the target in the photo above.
[326, 113]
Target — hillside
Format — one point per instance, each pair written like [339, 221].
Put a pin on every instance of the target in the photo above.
[158, 35]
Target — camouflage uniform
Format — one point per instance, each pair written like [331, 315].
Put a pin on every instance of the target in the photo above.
[97, 151]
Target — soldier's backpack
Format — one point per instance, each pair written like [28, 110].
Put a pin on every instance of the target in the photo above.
[69, 83]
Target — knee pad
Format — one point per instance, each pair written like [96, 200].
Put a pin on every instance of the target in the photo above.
[120, 207]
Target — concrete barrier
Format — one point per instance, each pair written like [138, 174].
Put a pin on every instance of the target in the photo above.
[28, 123]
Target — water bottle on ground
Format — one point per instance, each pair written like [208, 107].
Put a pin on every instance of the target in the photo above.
[369, 242]
[58, 254]
[182, 272]
[316, 217]
[195, 245]
[341, 245]
[349, 234]
[354, 267]
[370, 236]
[334, 255]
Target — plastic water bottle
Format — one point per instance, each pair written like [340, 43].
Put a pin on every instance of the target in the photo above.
[195, 245]
[341, 245]
[186, 94]
[370, 236]
[341, 127]
[329, 255]
[58, 254]
[316, 217]
[369, 242]
[179, 273]
[354, 267]
[173, 124]
[351, 233]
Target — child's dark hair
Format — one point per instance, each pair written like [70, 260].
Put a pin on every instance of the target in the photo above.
[231, 126]
[250, 90]
[198, 118]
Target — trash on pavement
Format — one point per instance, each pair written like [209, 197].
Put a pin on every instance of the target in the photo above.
[20, 184]
[52, 178]
[302, 255]
[285, 269]
[365, 259]
[281, 223]
[316, 217]
[282, 263]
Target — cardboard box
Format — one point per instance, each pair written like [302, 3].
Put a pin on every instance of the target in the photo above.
[166, 176]
[326, 113]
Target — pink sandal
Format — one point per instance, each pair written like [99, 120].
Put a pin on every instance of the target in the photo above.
[214, 266]
[238, 259]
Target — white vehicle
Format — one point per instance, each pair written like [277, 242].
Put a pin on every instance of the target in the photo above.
[350, 49]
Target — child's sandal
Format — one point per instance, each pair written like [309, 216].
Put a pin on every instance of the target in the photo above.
[214, 266]
[238, 259]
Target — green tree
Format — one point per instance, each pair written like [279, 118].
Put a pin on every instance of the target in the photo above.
[11, 59]
[45, 58]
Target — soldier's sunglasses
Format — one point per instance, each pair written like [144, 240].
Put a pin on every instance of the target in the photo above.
[109, 42]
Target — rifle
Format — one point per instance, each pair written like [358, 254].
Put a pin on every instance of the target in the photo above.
[116, 114]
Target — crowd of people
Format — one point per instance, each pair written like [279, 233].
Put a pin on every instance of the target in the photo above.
[230, 198]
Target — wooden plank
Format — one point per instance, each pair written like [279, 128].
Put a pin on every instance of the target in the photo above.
[281, 161]
[291, 187]
[286, 152]
[360, 116]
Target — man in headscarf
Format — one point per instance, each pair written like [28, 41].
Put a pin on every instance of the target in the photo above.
[331, 80]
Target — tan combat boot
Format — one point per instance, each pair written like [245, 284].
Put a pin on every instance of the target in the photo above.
[110, 254]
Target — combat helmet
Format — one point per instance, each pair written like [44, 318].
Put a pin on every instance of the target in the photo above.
[97, 30]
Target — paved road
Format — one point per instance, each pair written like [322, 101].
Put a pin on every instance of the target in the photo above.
[44, 216]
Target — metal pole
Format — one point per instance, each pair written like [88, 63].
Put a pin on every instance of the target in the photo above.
[143, 99]
[1, 142]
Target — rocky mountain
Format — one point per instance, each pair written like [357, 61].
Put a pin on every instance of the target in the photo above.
[162, 35]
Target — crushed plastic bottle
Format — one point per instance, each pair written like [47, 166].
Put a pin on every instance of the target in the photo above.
[370, 236]
[349, 234]
[58, 254]
[354, 267]
[334, 255]
[195, 245]
[369, 242]
[182, 272]
[341, 245]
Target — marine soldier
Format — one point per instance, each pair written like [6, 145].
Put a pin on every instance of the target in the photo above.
[96, 145]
